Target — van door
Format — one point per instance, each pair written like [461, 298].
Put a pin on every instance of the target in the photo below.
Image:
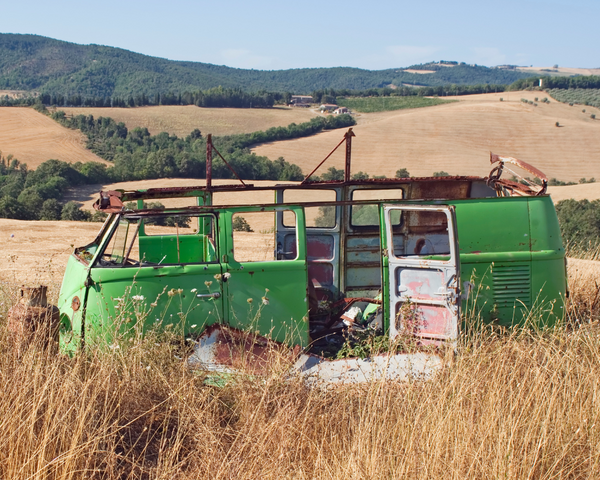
[266, 279]
[421, 274]
[148, 275]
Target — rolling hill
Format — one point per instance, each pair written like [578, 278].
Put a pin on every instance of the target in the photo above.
[33, 62]
[457, 138]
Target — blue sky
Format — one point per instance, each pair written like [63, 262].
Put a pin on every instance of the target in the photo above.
[272, 35]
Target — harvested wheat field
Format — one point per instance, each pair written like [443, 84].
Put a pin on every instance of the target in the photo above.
[458, 137]
[33, 138]
[36, 252]
[562, 71]
[181, 120]
[584, 191]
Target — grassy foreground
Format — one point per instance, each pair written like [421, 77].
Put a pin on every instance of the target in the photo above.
[525, 405]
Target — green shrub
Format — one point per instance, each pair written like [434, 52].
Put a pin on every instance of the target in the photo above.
[240, 224]
[72, 211]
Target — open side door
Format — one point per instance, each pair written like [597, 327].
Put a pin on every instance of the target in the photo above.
[422, 278]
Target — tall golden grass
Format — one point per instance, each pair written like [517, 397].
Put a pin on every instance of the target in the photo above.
[521, 405]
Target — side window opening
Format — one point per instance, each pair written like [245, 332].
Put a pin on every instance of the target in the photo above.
[367, 215]
[316, 217]
[254, 237]
[154, 240]
[423, 234]
[122, 248]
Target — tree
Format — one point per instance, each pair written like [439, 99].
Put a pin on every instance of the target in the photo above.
[71, 211]
[441, 174]
[51, 210]
[32, 202]
[196, 134]
[240, 224]
[360, 176]
[402, 173]
[333, 174]
[10, 207]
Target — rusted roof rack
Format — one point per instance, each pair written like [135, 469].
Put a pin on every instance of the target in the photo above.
[113, 200]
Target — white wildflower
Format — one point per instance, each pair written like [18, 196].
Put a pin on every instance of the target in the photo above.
[137, 298]
[194, 290]
[194, 326]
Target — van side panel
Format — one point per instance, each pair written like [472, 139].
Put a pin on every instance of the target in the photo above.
[496, 273]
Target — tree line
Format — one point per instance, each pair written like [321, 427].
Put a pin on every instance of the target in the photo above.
[579, 81]
[217, 97]
[580, 223]
[330, 95]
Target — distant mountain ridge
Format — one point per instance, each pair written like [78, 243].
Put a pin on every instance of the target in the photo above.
[33, 62]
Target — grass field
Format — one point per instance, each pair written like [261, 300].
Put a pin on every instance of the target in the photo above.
[181, 120]
[458, 138]
[524, 405]
[33, 138]
[384, 104]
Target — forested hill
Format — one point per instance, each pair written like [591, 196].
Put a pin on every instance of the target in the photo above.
[32, 62]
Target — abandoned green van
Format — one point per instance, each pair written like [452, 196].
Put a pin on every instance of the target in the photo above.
[453, 251]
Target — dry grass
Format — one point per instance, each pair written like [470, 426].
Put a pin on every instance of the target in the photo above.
[33, 138]
[520, 406]
[181, 120]
[458, 137]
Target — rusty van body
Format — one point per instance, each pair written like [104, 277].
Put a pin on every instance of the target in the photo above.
[316, 259]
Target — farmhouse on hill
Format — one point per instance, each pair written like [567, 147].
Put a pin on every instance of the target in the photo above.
[328, 107]
[301, 100]
[341, 110]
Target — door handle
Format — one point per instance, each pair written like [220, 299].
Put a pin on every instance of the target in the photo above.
[209, 295]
